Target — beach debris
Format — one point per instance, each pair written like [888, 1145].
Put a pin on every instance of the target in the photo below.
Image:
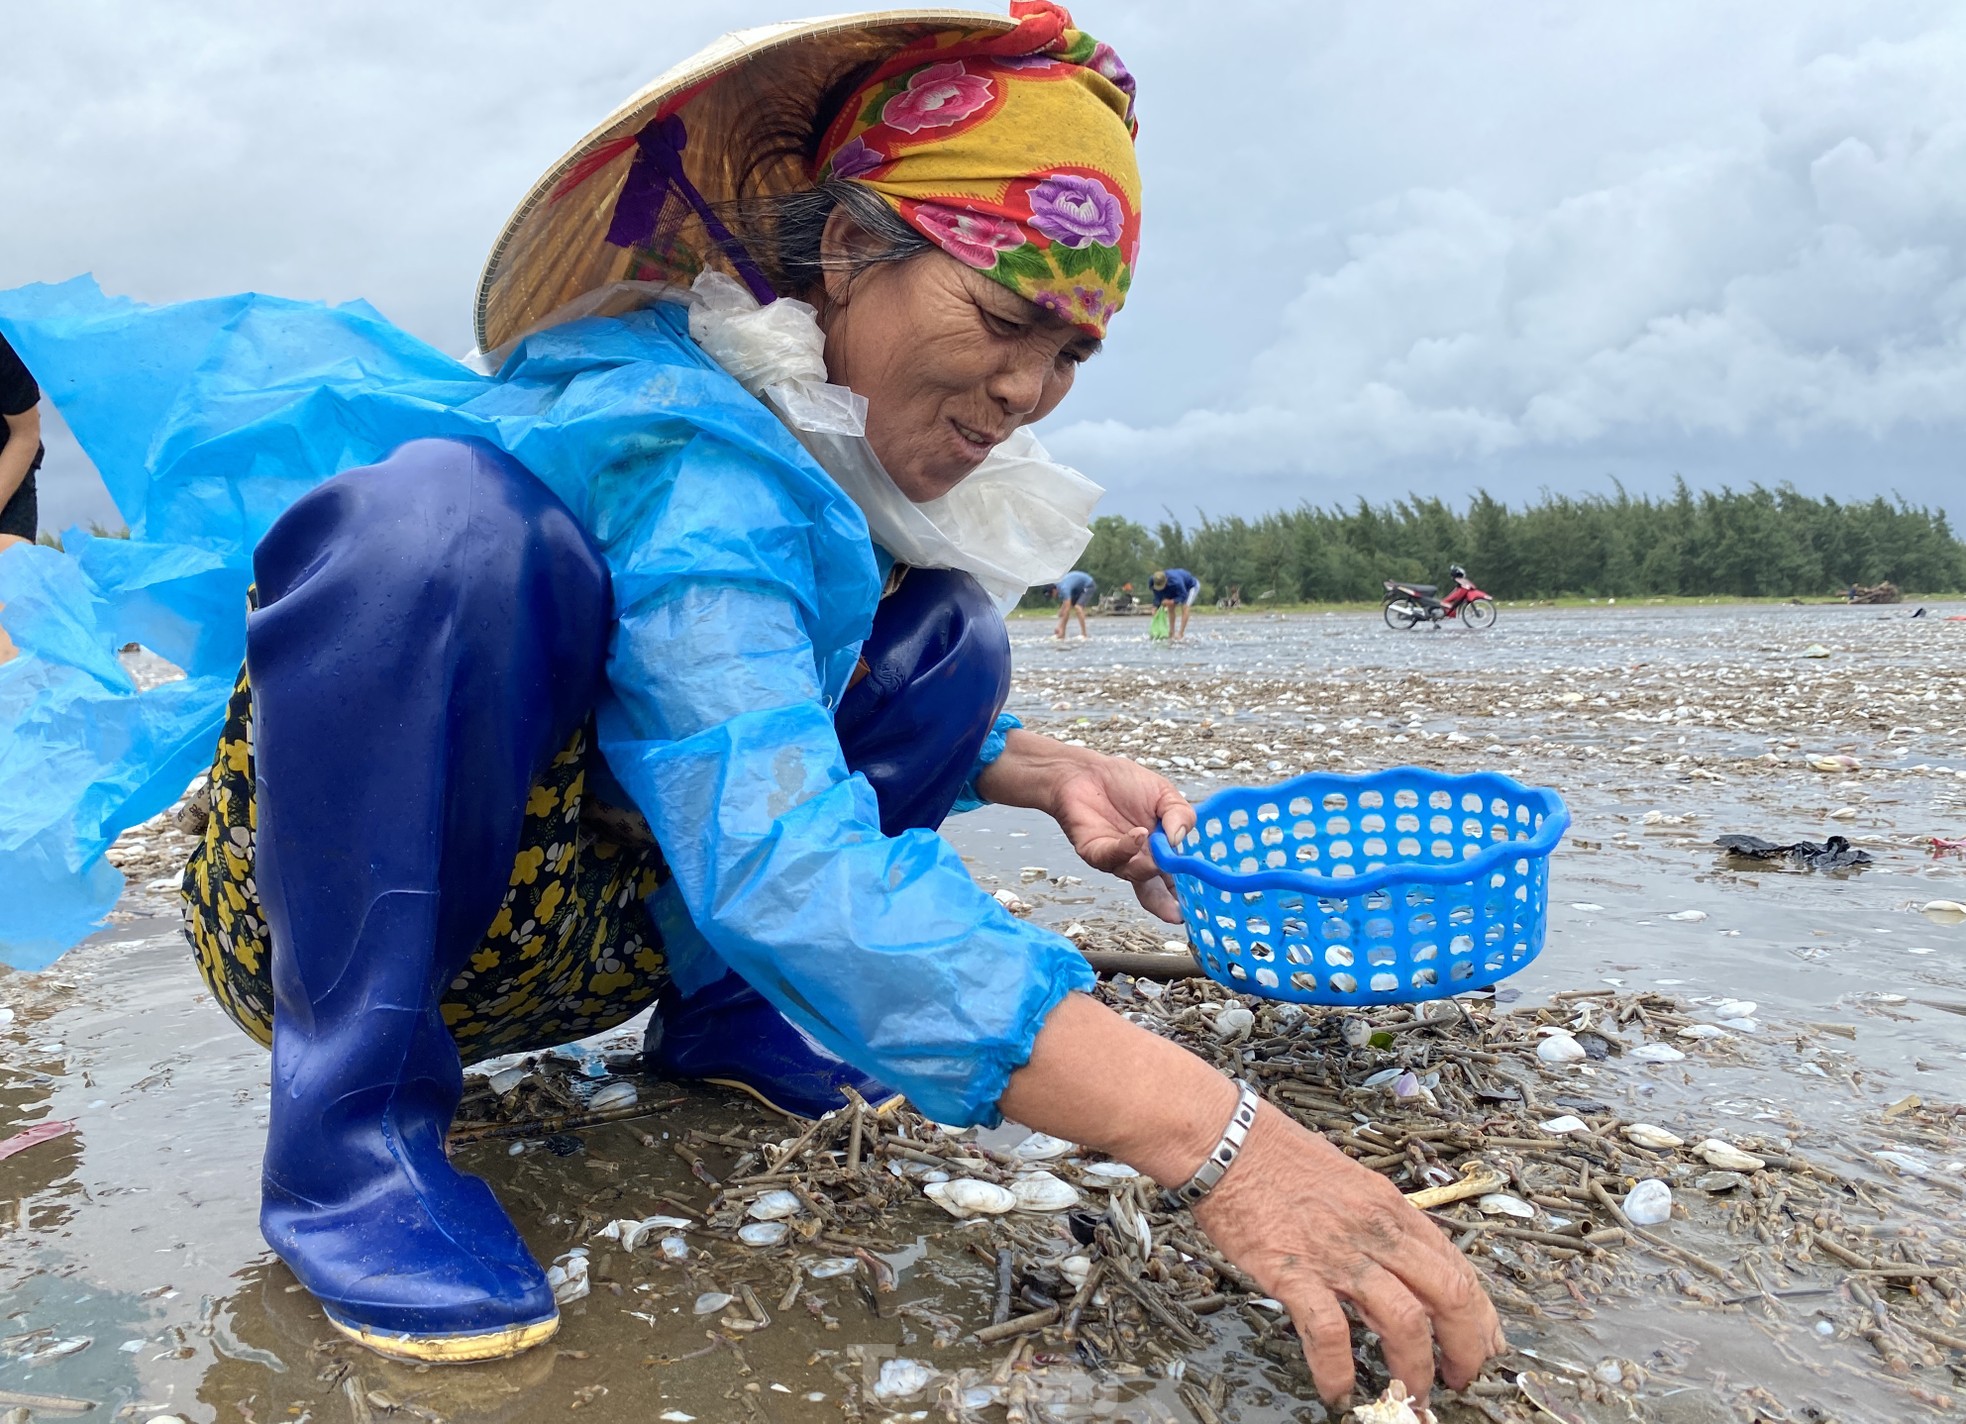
[673, 1248]
[632, 1233]
[1042, 1191]
[1395, 1406]
[568, 1276]
[1502, 1204]
[34, 1136]
[775, 1205]
[1904, 1162]
[1728, 1157]
[1008, 899]
[1944, 912]
[763, 1233]
[1649, 1203]
[505, 1080]
[902, 1378]
[1233, 1024]
[618, 1094]
[1646, 1135]
[1042, 1147]
[1559, 1046]
[965, 1197]
[1657, 1053]
[1109, 1172]
[1834, 854]
[1477, 1179]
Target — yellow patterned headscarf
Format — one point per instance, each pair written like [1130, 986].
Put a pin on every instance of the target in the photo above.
[1011, 151]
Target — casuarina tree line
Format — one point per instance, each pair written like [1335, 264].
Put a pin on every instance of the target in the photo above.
[1756, 542]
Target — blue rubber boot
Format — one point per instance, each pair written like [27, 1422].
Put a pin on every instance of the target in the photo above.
[938, 672]
[430, 632]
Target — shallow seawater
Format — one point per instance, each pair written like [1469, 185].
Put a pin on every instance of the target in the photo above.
[136, 1232]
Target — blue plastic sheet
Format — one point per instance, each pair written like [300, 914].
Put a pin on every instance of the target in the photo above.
[744, 582]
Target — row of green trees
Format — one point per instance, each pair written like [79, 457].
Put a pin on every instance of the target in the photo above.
[1753, 543]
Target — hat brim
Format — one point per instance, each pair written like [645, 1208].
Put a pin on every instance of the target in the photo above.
[729, 94]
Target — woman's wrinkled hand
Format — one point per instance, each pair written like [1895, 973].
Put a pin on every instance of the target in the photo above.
[1316, 1230]
[1108, 806]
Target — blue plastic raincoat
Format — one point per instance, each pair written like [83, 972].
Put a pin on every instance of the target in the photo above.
[744, 581]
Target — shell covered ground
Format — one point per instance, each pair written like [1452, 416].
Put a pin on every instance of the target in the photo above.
[1817, 1019]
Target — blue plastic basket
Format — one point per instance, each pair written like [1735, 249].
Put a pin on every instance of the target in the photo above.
[1385, 888]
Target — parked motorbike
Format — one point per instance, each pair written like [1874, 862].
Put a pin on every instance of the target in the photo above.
[1407, 605]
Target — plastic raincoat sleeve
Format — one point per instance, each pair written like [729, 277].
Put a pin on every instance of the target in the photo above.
[719, 727]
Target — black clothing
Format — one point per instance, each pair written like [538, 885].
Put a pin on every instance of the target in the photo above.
[18, 395]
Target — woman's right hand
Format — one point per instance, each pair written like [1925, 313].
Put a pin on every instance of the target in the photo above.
[1304, 1221]
[1315, 1229]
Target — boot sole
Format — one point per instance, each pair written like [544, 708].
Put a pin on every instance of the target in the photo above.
[882, 1107]
[476, 1348]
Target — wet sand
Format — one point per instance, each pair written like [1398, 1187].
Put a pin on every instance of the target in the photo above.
[1661, 727]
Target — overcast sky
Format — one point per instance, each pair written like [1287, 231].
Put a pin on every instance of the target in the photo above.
[1388, 247]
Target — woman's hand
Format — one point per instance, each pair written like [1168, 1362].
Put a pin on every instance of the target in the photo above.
[1107, 806]
[1312, 1227]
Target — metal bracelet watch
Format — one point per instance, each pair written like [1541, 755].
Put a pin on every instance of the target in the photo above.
[1225, 1151]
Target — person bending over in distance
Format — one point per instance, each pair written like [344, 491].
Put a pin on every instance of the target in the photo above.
[1179, 588]
[1074, 590]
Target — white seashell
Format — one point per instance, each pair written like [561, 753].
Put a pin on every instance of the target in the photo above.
[966, 1197]
[763, 1233]
[506, 1079]
[1906, 1163]
[673, 1248]
[902, 1379]
[1946, 912]
[1041, 1191]
[1646, 1135]
[1844, 813]
[1702, 1031]
[1728, 1157]
[1075, 1269]
[1111, 1171]
[1234, 1023]
[676, 1416]
[1042, 1147]
[632, 1233]
[1566, 1123]
[1392, 1407]
[1560, 1047]
[612, 1095]
[830, 1267]
[568, 1277]
[1649, 1203]
[1735, 1009]
[1382, 1077]
[1742, 1025]
[1502, 1204]
[1657, 1053]
[710, 1302]
[774, 1205]
[1688, 917]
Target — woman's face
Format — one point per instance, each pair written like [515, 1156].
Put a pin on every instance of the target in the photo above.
[949, 362]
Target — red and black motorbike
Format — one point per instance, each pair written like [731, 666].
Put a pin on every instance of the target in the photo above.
[1407, 605]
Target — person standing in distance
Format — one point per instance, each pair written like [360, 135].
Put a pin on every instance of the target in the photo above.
[1180, 588]
[20, 457]
[1074, 590]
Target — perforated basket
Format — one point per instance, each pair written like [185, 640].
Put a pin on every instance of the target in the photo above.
[1385, 888]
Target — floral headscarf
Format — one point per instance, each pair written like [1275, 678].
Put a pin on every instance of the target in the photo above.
[1011, 151]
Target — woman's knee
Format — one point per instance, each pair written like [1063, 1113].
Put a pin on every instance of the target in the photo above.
[444, 524]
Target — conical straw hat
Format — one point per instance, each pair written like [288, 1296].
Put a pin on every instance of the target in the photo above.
[731, 97]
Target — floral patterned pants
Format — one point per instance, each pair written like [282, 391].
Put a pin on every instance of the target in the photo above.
[571, 952]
